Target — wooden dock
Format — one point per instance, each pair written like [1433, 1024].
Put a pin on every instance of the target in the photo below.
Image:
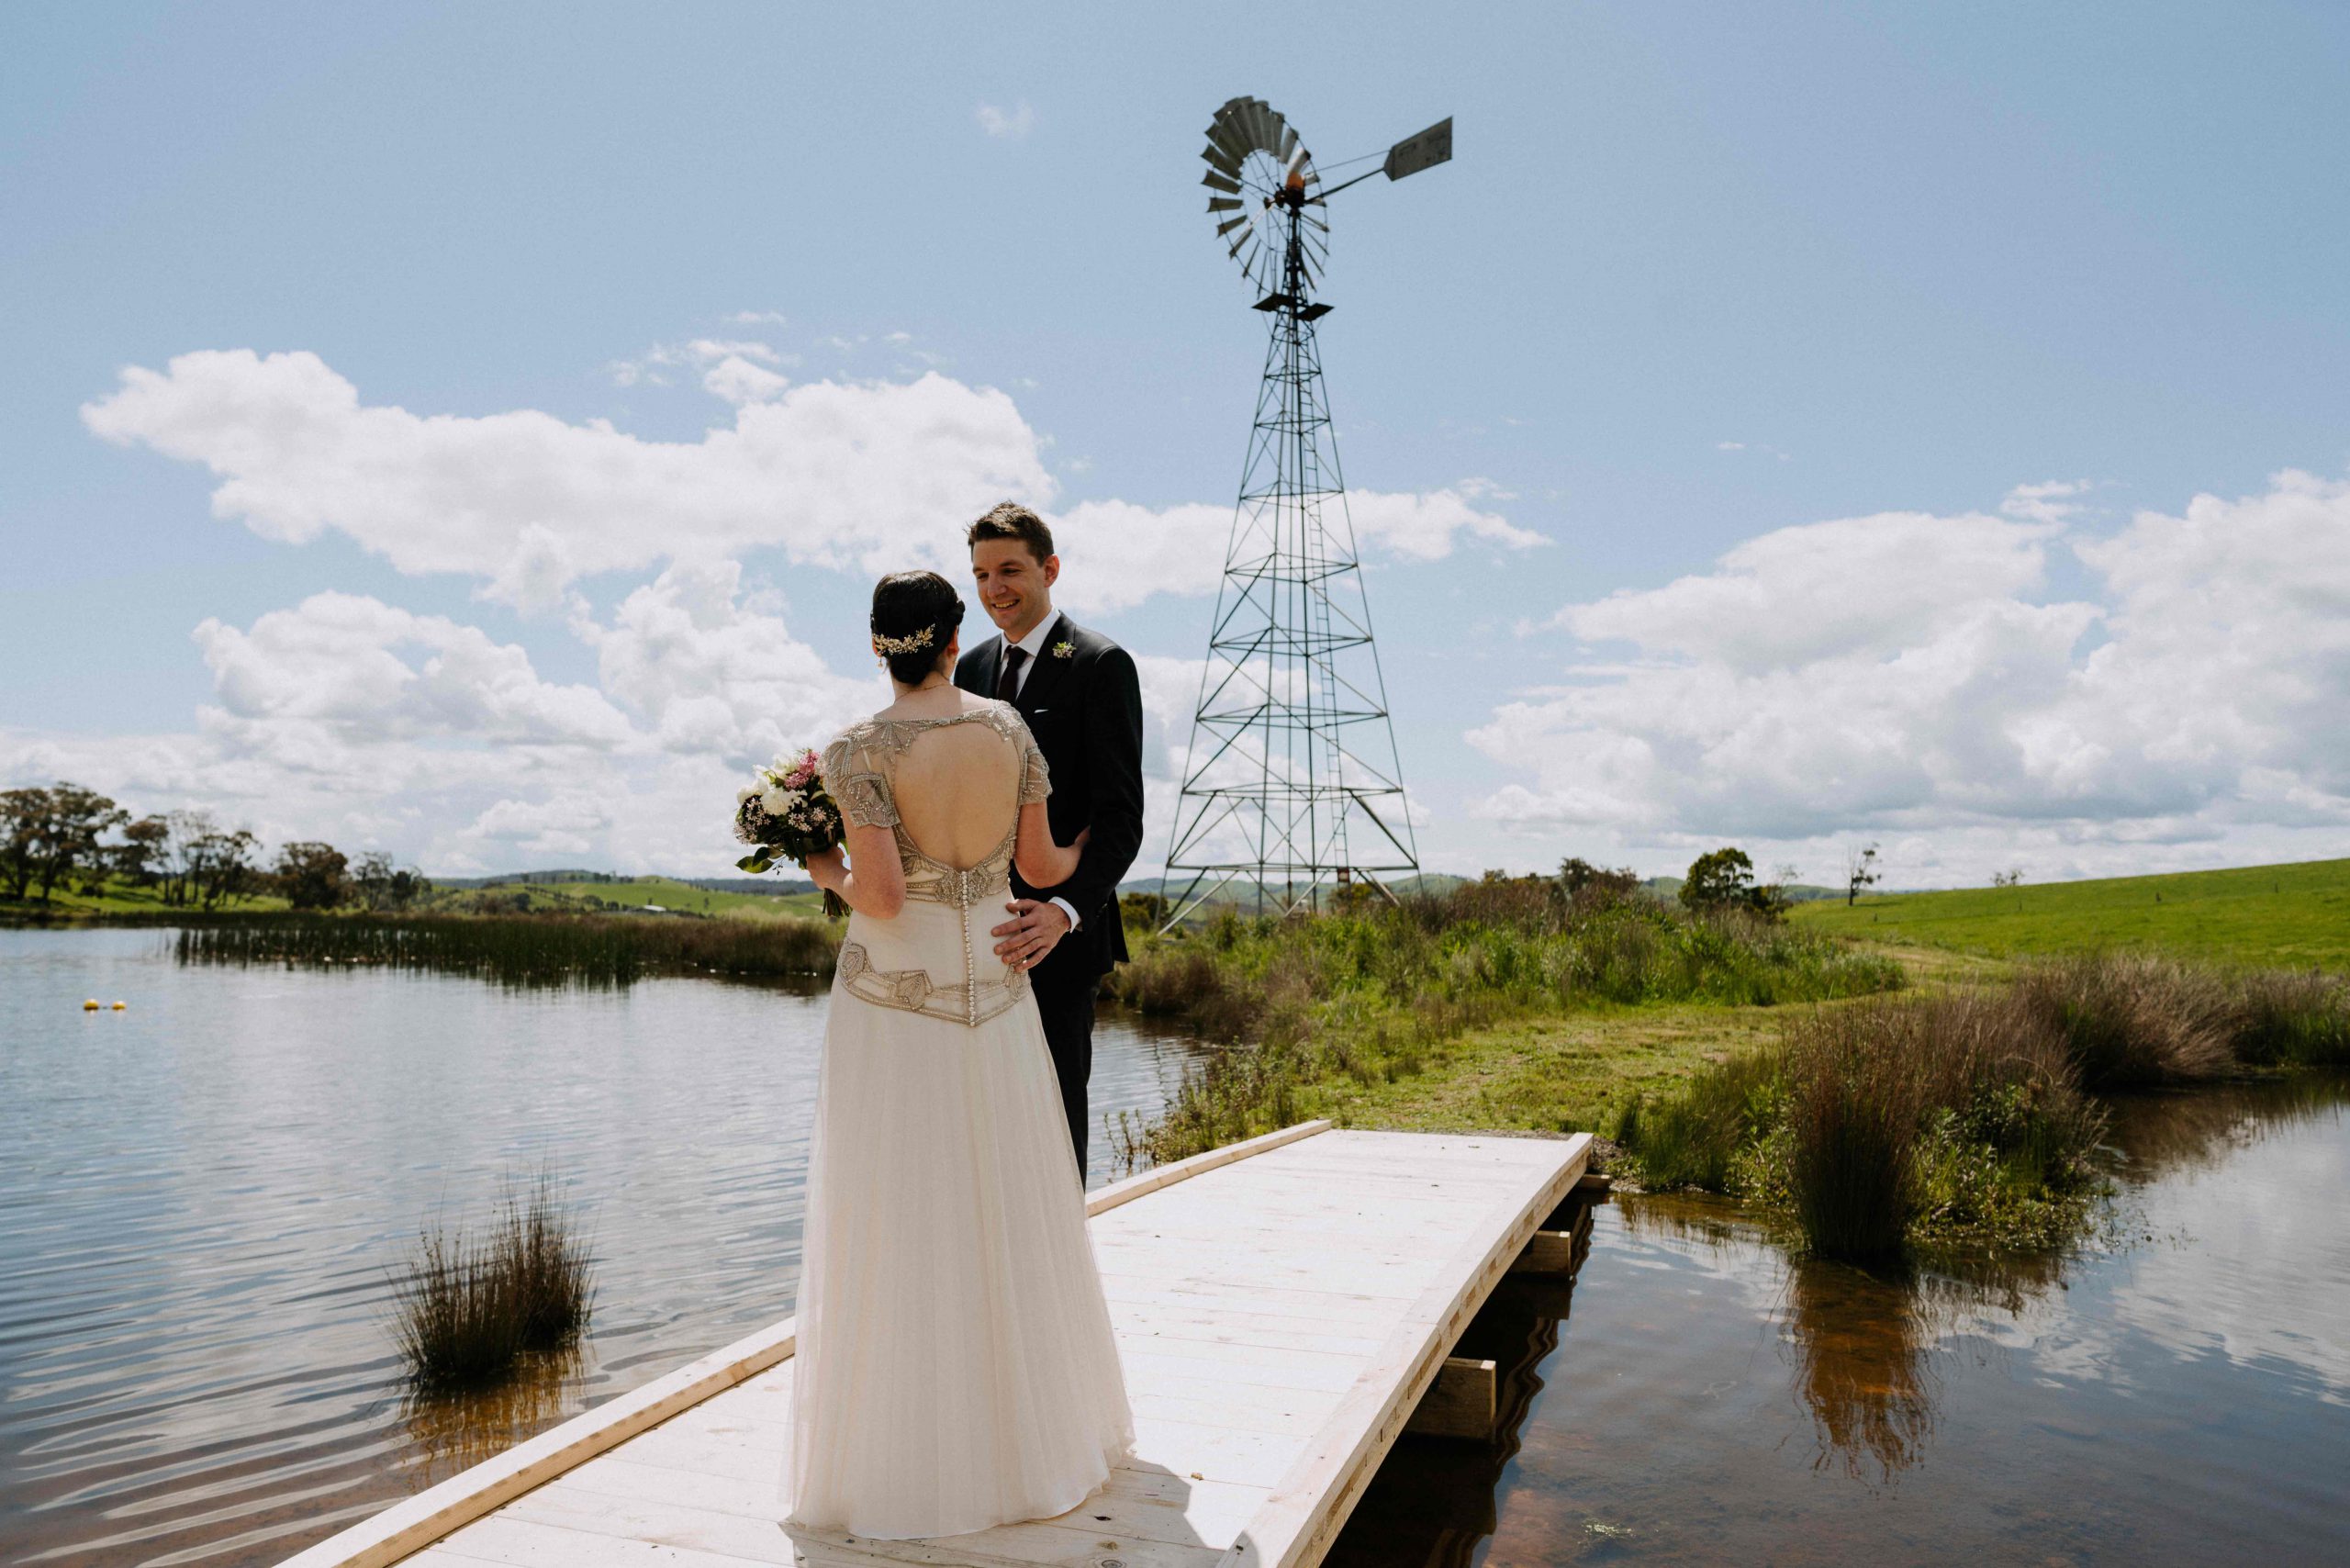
[1284, 1307]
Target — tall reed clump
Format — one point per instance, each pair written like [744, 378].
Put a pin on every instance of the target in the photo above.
[2134, 1021]
[1886, 1122]
[2292, 1018]
[597, 950]
[469, 1305]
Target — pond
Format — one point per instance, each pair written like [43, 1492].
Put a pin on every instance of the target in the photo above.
[202, 1197]
[2177, 1392]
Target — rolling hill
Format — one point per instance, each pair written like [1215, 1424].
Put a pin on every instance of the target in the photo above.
[2290, 916]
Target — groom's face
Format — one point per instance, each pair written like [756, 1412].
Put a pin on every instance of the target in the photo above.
[1015, 588]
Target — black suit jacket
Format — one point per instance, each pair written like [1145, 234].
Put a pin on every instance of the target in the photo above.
[1085, 710]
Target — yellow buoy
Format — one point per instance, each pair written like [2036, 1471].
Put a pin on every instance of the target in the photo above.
[91, 1005]
[121, 1006]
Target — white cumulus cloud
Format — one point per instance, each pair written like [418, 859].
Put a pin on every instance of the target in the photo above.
[1909, 672]
[871, 477]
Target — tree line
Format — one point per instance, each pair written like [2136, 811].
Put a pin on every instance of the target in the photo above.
[74, 837]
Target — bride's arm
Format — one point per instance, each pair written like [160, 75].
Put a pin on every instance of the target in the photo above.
[878, 885]
[1043, 863]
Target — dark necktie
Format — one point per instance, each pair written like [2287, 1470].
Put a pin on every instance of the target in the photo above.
[1007, 685]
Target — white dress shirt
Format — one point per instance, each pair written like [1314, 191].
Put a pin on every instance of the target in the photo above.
[1034, 644]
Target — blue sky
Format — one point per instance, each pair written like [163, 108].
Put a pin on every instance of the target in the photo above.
[1858, 367]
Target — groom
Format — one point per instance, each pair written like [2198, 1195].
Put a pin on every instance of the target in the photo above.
[1079, 692]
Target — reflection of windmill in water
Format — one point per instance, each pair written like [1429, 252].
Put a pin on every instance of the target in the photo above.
[1292, 783]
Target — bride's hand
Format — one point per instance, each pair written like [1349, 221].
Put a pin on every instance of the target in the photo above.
[1083, 836]
[831, 863]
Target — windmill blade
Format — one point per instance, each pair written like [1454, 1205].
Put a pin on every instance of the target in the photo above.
[1230, 224]
[1217, 159]
[1227, 135]
[1289, 147]
[1215, 180]
[1263, 124]
[1225, 204]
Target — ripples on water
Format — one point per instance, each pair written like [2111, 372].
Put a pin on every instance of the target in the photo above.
[202, 1196]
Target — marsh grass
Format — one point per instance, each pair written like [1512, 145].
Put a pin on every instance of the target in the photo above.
[1372, 997]
[2131, 1022]
[2292, 1018]
[469, 1306]
[1888, 1123]
[596, 951]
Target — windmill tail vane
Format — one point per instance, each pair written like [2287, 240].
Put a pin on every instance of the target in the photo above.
[1294, 787]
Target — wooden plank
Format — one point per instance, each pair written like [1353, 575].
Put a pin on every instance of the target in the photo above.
[1157, 1538]
[1546, 1253]
[1312, 1500]
[1277, 1412]
[1461, 1403]
[1119, 1194]
[1214, 1511]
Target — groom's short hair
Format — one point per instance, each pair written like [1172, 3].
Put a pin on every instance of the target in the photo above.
[1010, 520]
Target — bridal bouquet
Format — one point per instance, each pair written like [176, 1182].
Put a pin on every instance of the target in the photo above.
[786, 816]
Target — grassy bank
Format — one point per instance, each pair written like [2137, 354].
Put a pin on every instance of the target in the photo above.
[2290, 916]
[1318, 1015]
[119, 902]
[1971, 1113]
[526, 949]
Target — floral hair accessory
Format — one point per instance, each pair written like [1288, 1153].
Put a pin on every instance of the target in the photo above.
[913, 644]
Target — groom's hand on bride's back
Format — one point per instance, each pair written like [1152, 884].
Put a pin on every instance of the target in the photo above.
[1023, 941]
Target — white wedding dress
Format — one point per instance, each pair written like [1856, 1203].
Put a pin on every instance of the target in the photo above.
[956, 1367]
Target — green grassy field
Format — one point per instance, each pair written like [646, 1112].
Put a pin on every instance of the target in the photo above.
[118, 900]
[637, 892]
[2294, 916]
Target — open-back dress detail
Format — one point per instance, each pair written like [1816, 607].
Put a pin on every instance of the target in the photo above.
[956, 1366]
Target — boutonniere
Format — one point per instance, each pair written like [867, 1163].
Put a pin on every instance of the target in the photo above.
[1064, 649]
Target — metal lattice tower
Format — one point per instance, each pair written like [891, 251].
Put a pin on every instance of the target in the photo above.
[1293, 785]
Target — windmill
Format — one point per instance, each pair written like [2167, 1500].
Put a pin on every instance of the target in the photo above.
[1293, 784]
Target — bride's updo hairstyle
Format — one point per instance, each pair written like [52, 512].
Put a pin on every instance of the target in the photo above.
[914, 617]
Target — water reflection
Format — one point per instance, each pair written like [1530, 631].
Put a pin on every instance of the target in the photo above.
[448, 1433]
[2172, 1391]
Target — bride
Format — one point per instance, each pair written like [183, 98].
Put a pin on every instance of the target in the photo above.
[955, 1369]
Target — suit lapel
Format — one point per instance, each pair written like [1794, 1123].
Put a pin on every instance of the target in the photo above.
[1045, 677]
